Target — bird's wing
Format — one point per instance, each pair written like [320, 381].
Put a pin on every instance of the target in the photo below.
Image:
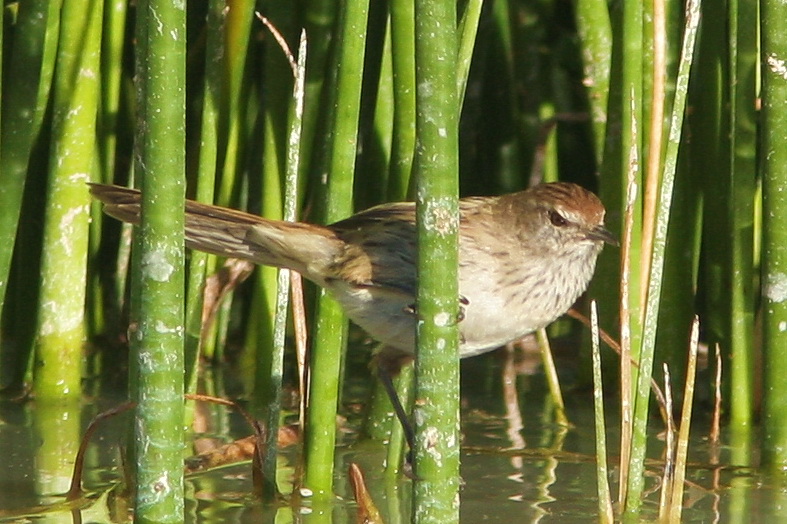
[380, 248]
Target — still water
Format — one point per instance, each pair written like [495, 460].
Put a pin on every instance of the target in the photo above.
[517, 464]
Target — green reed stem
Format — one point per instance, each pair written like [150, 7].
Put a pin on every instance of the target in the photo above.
[403, 63]
[743, 48]
[206, 183]
[157, 339]
[397, 444]
[290, 213]
[435, 490]
[331, 325]
[682, 446]
[650, 324]
[276, 116]
[112, 46]
[237, 28]
[553, 381]
[595, 31]
[468, 29]
[2, 46]
[774, 241]
[23, 106]
[102, 308]
[61, 328]
[320, 22]
[56, 429]
[605, 512]
[631, 134]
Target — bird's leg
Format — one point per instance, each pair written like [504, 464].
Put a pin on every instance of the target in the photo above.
[386, 378]
[388, 363]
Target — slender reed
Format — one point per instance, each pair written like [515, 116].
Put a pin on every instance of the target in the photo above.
[330, 324]
[774, 234]
[639, 436]
[606, 515]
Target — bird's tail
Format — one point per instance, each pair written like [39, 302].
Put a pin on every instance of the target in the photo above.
[305, 248]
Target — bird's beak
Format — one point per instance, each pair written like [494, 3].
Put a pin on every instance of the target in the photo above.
[600, 233]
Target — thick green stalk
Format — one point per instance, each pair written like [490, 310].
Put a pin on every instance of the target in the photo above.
[56, 432]
[61, 328]
[711, 137]
[403, 63]
[436, 487]
[320, 22]
[628, 104]
[113, 44]
[743, 146]
[631, 136]
[30, 66]
[595, 31]
[774, 234]
[157, 338]
[331, 326]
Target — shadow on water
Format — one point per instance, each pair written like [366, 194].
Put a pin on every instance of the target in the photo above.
[517, 465]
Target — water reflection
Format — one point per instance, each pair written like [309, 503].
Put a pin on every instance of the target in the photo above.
[518, 465]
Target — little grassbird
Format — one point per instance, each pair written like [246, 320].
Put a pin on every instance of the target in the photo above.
[524, 259]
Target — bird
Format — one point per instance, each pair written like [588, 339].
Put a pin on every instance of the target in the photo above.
[524, 259]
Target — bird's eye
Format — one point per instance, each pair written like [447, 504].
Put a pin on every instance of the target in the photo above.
[557, 219]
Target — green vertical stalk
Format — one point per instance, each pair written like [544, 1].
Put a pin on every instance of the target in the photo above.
[102, 310]
[113, 44]
[711, 137]
[290, 212]
[277, 94]
[206, 182]
[774, 234]
[56, 431]
[380, 423]
[157, 338]
[61, 329]
[468, 30]
[631, 147]
[236, 20]
[30, 66]
[403, 64]
[435, 489]
[320, 22]
[682, 447]
[743, 145]
[709, 140]
[643, 385]
[331, 325]
[595, 31]
[602, 470]
[237, 27]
